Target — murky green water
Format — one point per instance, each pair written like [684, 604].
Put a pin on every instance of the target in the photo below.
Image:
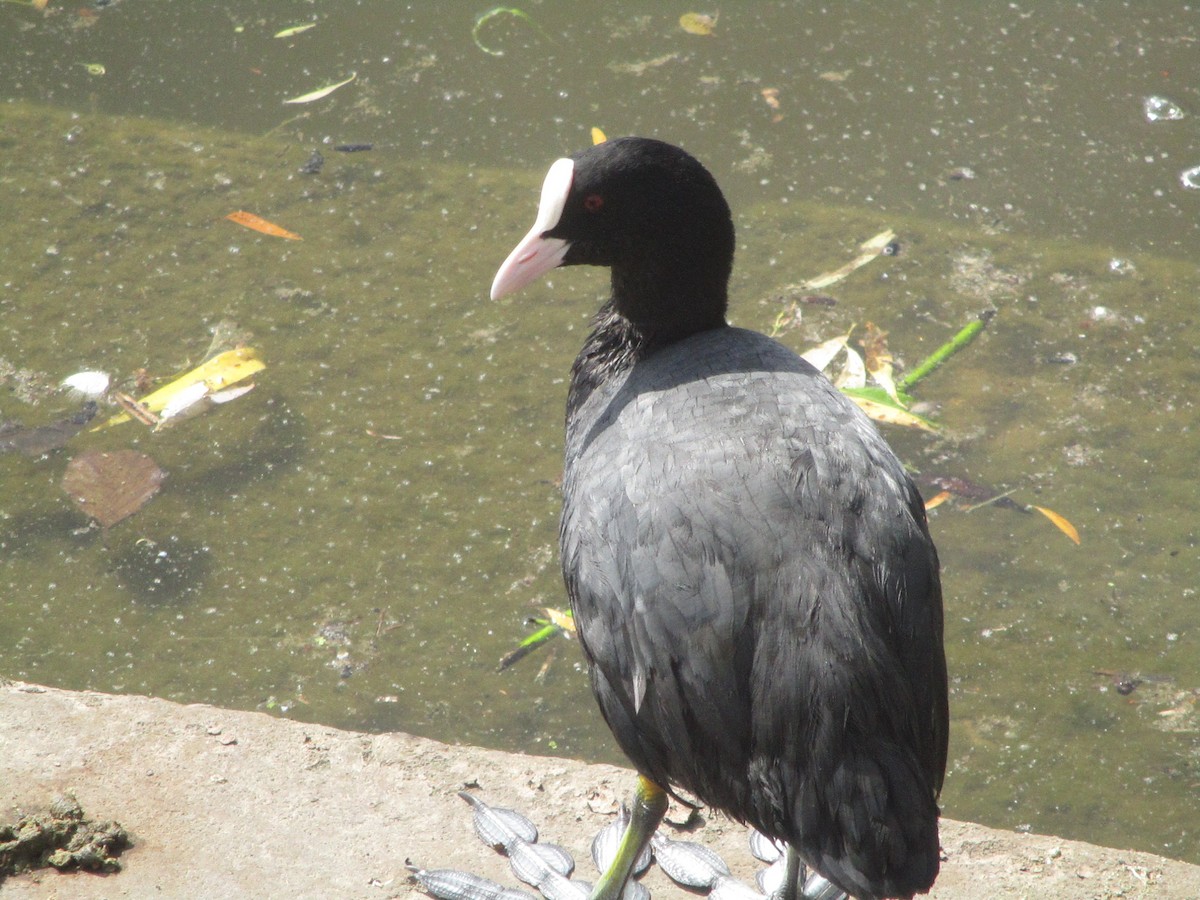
[296, 562]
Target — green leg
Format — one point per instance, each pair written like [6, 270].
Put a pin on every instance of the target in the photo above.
[649, 806]
[795, 871]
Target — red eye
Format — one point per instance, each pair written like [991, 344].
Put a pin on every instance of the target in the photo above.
[593, 203]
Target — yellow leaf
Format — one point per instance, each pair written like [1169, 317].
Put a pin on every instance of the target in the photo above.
[563, 620]
[698, 23]
[598, 136]
[322, 92]
[216, 374]
[1060, 523]
[889, 415]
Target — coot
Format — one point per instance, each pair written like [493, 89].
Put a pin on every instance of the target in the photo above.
[753, 581]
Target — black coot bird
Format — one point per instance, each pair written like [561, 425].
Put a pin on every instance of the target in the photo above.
[749, 565]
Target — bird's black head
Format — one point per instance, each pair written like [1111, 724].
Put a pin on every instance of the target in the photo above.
[651, 213]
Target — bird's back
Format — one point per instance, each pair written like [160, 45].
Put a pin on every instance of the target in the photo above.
[758, 596]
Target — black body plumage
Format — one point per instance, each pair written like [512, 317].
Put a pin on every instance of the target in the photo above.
[749, 565]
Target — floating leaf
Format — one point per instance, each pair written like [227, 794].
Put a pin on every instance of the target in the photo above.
[501, 11]
[598, 136]
[1060, 523]
[868, 250]
[195, 399]
[883, 378]
[771, 96]
[854, 373]
[698, 23]
[295, 29]
[937, 500]
[184, 400]
[110, 487]
[884, 411]
[878, 359]
[823, 354]
[322, 92]
[217, 374]
[560, 617]
[258, 223]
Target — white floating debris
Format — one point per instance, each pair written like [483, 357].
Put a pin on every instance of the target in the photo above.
[88, 385]
[231, 393]
[185, 399]
[1190, 178]
[1160, 109]
[195, 399]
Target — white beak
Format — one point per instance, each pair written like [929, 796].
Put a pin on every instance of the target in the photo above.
[538, 254]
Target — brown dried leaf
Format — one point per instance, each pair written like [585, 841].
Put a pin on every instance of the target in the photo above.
[879, 359]
[874, 344]
[110, 487]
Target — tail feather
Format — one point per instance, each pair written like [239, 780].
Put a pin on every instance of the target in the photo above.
[880, 838]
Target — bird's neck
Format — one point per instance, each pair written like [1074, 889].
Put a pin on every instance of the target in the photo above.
[617, 341]
[663, 307]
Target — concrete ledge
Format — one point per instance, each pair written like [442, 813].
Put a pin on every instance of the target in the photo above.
[223, 803]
